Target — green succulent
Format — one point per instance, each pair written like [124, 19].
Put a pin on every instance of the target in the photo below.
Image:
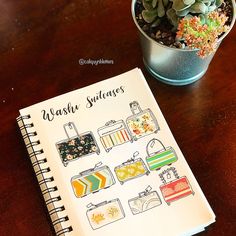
[155, 10]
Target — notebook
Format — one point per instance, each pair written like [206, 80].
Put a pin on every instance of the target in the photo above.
[108, 164]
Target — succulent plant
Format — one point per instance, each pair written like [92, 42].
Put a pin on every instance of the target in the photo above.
[196, 23]
[155, 10]
[202, 35]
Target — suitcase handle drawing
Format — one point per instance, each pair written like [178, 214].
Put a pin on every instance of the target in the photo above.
[151, 144]
[131, 159]
[167, 171]
[92, 206]
[146, 191]
[91, 169]
[110, 122]
[135, 107]
[72, 127]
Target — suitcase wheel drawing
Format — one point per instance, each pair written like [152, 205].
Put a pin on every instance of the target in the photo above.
[104, 213]
[175, 189]
[92, 180]
[114, 133]
[145, 201]
[131, 169]
[157, 158]
[142, 122]
[76, 146]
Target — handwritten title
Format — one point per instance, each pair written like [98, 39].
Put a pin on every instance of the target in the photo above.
[51, 113]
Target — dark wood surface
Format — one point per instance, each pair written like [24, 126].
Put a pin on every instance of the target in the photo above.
[41, 43]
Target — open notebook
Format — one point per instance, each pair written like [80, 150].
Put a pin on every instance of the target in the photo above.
[107, 163]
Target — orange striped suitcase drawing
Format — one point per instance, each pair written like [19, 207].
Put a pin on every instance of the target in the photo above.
[92, 180]
[176, 188]
[114, 133]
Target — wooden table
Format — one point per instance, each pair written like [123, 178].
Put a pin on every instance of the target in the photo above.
[41, 43]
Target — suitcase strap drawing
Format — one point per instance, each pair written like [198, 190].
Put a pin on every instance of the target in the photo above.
[174, 189]
[116, 134]
[104, 213]
[77, 146]
[131, 169]
[92, 180]
[160, 158]
[146, 200]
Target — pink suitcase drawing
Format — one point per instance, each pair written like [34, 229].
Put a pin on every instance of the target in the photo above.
[114, 133]
[142, 122]
[175, 189]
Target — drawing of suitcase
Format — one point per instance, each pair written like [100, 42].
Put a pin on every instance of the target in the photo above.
[77, 145]
[114, 133]
[159, 158]
[131, 169]
[145, 201]
[92, 180]
[104, 213]
[175, 189]
[142, 122]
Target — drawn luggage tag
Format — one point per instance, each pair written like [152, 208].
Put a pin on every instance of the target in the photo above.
[104, 213]
[141, 123]
[114, 133]
[131, 169]
[92, 180]
[176, 188]
[145, 201]
[76, 145]
[161, 157]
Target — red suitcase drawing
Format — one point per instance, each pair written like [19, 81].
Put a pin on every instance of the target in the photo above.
[175, 189]
[76, 145]
[142, 122]
[114, 133]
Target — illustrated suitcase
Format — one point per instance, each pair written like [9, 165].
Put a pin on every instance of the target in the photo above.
[142, 122]
[159, 158]
[145, 201]
[92, 180]
[76, 145]
[114, 133]
[131, 169]
[175, 189]
[104, 213]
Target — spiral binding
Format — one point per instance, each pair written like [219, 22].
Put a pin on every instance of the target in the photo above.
[43, 175]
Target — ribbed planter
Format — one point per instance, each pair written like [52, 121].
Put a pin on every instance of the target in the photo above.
[172, 65]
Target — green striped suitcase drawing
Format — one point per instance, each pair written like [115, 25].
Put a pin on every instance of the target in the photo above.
[92, 180]
[159, 158]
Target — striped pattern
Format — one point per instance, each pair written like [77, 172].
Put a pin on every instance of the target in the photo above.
[93, 182]
[175, 190]
[161, 159]
[115, 138]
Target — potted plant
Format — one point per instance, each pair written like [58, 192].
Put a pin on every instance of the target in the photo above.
[179, 37]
